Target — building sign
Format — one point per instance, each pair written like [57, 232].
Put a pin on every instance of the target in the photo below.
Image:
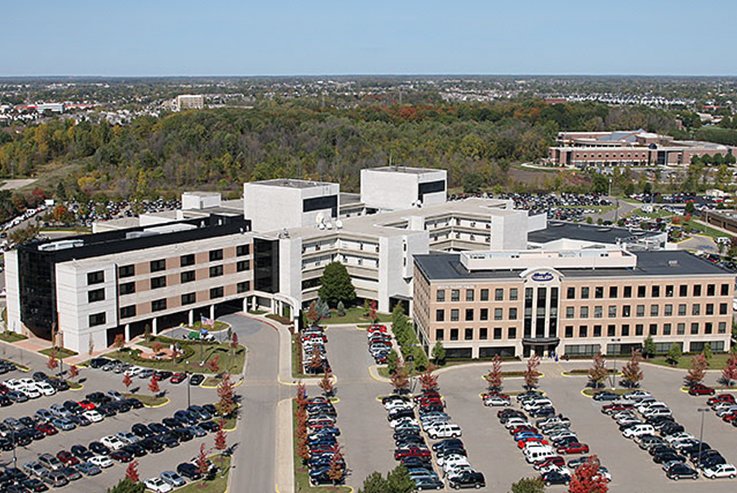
[542, 276]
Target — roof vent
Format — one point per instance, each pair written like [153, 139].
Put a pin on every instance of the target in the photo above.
[673, 263]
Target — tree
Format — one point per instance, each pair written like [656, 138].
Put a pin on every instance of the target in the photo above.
[336, 469]
[213, 364]
[392, 362]
[690, 207]
[374, 483]
[131, 472]
[532, 375]
[336, 285]
[729, 372]
[428, 381]
[494, 376]
[127, 380]
[399, 481]
[648, 347]
[233, 342]
[147, 332]
[226, 403]
[631, 373]
[598, 371]
[372, 311]
[119, 341]
[697, 372]
[52, 362]
[340, 309]
[326, 384]
[202, 465]
[400, 378]
[708, 353]
[587, 478]
[528, 485]
[220, 437]
[153, 385]
[674, 354]
[438, 353]
[127, 486]
[312, 316]
[472, 182]
[301, 395]
[156, 347]
[316, 362]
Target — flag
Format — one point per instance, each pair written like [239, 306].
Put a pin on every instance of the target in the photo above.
[206, 321]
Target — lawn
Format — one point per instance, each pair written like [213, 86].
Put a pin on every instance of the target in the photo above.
[301, 479]
[588, 391]
[190, 362]
[149, 400]
[583, 372]
[717, 361]
[353, 315]
[216, 328]
[61, 352]
[704, 229]
[10, 336]
[217, 485]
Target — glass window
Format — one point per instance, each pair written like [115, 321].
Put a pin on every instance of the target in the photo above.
[569, 330]
[498, 314]
[216, 255]
[723, 308]
[187, 276]
[483, 333]
[612, 311]
[128, 311]
[598, 311]
[694, 328]
[96, 319]
[571, 293]
[724, 291]
[512, 314]
[158, 265]
[440, 315]
[243, 286]
[640, 310]
[484, 314]
[513, 293]
[127, 288]
[469, 314]
[625, 330]
[498, 294]
[654, 310]
[611, 330]
[453, 334]
[189, 298]
[681, 329]
[639, 329]
[613, 291]
[584, 312]
[583, 331]
[570, 312]
[722, 327]
[669, 291]
[158, 282]
[626, 310]
[242, 250]
[655, 291]
[439, 334]
[695, 309]
[666, 329]
[455, 295]
[597, 330]
[711, 290]
[484, 295]
[683, 290]
[497, 332]
[641, 291]
[127, 270]
[243, 265]
[668, 310]
[454, 315]
[599, 292]
[440, 295]
[697, 289]
[186, 260]
[708, 328]
[158, 305]
[512, 333]
[653, 330]
[216, 271]
[710, 308]
[585, 293]
[627, 292]
[96, 295]
[469, 295]
[95, 277]
[682, 309]
[468, 334]
[216, 292]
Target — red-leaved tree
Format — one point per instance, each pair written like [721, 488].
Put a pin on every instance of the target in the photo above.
[428, 381]
[494, 377]
[131, 472]
[729, 372]
[226, 404]
[532, 374]
[52, 362]
[153, 385]
[587, 478]
[202, 465]
[697, 372]
[73, 371]
[127, 380]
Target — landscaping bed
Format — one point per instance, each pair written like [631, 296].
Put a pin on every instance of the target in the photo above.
[584, 372]
[149, 400]
[217, 485]
[228, 361]
[588, 391]
[10, 336]
[61, 352]
[354, 315]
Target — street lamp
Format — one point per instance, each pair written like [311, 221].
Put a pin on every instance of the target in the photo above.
[702, 410]
[613, 376]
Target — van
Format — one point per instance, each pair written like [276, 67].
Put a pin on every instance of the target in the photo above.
[444, 430]
[537, 403]
[638, 430]
[538, 454]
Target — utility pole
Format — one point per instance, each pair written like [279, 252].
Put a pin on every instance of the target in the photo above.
[702, 410]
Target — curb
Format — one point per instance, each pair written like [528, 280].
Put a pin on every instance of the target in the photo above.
[156, 406]
[81, 387]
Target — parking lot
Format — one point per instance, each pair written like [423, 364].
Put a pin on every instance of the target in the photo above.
[369, 446]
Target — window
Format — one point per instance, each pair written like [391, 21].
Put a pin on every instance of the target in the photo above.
[708, 328]
[681, 329]
[654, 310]
[498, 314]
[96, 295]
[469, 314]
[639, 329]
[669, 291]
[695, 309]
[216, 255]
[97, 319]
[512, 314]
[597, 330]
[570, 312]
[666, 329]
[454, 314]
[694, 328]
[439, 334]
[483, 333]
[569, 330]
[157, 265]
[243, 265]
[626, 310]
[682, 309]
[585, 293]
[216, 271]
[127, 288]
[697, 289]
[513, 294]
[625, 330]
[571, 293]
[95, 277]
[440, 295]
[710, 308]
[598, 311]
[484, 295]
[724, 290]
[627, 292]
[216, 292]
[655, 291]
[186, 260]
[584, 312]
[668, 310]
[484, 314]
[127, 270]
[469, 295]
[468, 334]
[242, 250]
[498, 294]
[497, 332]
[189, 298]
[599, 292]
[243, 286]
[711, 290]
[158, 282]
[653, 330]
[512, 333]
[455, 295]
[583, 331]
[453, 334]
[440, 315]
[187, 276]
[611, 330]
[128, 311]
[683, 290]
[723, 308]
[612, 291]
[640, 310]
[158, 305]
[722, 327]
[641, 291]
[612, 312]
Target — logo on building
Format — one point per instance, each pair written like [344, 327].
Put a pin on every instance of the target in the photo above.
[542, 276]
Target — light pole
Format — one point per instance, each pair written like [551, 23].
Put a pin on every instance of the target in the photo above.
[189, 398]
[613, 376]
[12, 437]
[702, 410]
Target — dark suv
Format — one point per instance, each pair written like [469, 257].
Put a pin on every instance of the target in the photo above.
[470, 479]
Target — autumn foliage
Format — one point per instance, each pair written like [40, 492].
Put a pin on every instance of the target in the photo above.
[631, 372]
[587, 478]
[153, 385]
[131, 472]
[494, 376]
[532, 374]
[697, 372]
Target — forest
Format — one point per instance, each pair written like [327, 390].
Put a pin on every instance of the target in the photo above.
[219, 149]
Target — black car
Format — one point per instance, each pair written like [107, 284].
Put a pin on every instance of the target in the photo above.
[107, 409]
[72, 407]
[189, 471]
[133, 402]
[158, 428]
[99, 449]
[604, 395]
[667, 456]
[183, 434]
[98, 398]
[59, 384]
[40, 376]
[468, 479]
[554, 477]
[428, 483]
[172, 423]
[681, 471]
[33, 484]
[135, 449]
[162, 375]
[210, 426]
[5, 401]
[210, 408]
[671, 429]
[151, 445]
[98, 362]
[196, 379]
[81, 452]
[168, 440]
[416, 461]
[141, 430]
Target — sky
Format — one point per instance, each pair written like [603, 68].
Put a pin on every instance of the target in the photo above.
[326, 37]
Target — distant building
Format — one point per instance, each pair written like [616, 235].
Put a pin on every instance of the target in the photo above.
[628, 148]
[189, 102]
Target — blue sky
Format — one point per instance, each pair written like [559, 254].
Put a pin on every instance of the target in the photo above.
[274, 37]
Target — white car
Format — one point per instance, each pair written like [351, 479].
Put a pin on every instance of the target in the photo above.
[157, 485]
[515, 422]
[100, 461]
[127, 437]
[93, 416]
[453, 461]
[638, 430]
[397, 406]
[495, 400]
[31, 392]
[410, 421]
[721, 471]
[677, 437]
[443, 430]
[112, 442]
[45, 388]
[638, 395]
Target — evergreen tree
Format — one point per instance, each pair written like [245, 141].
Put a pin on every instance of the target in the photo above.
[648, 347]
[438, 353]
[336, 285]
[398, 481]
[127, 486]
[674, 354]
[528, 485]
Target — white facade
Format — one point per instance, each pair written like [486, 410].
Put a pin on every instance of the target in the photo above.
[398, 188]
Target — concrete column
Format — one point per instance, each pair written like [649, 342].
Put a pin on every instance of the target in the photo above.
[245, 304]
[190, 314]
[127, 332]
[212, 312]
[155, 326]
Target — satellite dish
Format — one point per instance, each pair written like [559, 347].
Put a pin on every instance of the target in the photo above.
[320, 218]
[329, 225]
[339, 224]
[321, 226]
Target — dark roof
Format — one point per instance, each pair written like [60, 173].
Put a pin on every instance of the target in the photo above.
[447, 266]
[575, 231]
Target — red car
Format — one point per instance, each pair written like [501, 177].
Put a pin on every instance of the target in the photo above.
[521, 428]
[701, 389]
[615, 408]
[411, 452]
[728, 418]
[67, 458]
[554, 461]
[521, 444]
[46, 429]
[377, 328]
[574, 448]
[720, 398]
[3, 389]
[178, 378]
[87, 405]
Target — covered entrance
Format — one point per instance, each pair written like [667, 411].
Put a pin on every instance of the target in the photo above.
[540, 346]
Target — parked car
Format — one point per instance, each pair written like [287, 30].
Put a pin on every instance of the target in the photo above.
[701, 389]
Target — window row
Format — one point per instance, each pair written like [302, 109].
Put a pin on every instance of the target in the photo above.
[470, 334]
[184, 277]
[640, 310]
[638, 330]
[160, 264]
[655, 291]
[469, 314]
[500, 294]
